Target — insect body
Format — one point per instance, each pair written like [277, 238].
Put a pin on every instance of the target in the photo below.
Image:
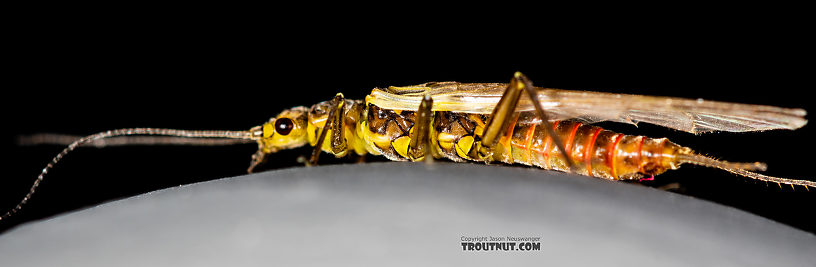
[593, 150]
[487, 122]
[370, 129]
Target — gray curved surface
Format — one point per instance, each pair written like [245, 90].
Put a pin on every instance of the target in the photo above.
[406, 214]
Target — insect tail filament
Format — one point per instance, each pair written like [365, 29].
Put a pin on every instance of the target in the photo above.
[742, 169]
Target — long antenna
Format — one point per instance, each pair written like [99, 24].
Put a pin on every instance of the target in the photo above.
[243, 135]
[149, 140]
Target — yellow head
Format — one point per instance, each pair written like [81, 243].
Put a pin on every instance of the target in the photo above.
[287, 130]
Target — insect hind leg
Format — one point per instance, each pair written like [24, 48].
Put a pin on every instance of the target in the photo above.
[502, 116]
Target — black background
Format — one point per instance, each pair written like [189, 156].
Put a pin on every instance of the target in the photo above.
[81, 76]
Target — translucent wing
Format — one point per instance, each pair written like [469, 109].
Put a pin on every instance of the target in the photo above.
[694, 116]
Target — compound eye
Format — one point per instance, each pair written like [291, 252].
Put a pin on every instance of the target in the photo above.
[283, 126]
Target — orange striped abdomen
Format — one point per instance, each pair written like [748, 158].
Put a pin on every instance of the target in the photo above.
[593, 150]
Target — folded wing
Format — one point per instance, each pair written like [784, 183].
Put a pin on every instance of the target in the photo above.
[694, 116]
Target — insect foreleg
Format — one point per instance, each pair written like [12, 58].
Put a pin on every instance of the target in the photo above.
[335, 122]
[257, 159]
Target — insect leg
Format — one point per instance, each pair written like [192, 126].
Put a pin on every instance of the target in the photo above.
[542, 115]
[257, 159]
[420, 144]
[335, 122]
[502, 115]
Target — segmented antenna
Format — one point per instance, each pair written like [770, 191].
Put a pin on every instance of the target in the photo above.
[742, 169]
[244, 135]
[150, 140]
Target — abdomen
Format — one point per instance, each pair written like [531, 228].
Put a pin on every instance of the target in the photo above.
[594, 151]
